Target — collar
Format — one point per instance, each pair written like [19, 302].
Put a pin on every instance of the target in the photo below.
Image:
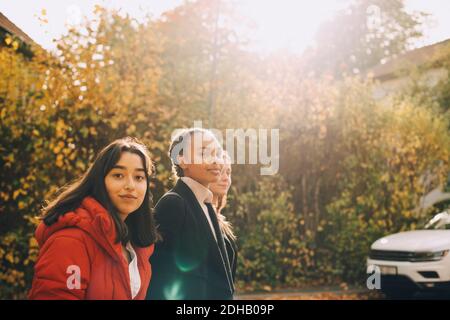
[202, 193]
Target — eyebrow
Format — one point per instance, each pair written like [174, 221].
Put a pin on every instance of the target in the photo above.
[125, 168]
[209, 147]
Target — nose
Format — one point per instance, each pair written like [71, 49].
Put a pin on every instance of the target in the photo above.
[219, 163]
[129, 184]
[218, 158]
[215, 159]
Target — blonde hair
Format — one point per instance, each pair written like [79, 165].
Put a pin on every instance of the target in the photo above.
[225, 225]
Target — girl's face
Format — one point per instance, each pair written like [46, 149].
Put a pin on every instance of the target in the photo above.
[220, 188]
[126, 184]
[203, 160]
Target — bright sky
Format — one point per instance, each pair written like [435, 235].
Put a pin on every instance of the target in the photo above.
[281, 23]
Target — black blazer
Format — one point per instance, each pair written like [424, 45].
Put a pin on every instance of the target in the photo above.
[187, 263]
[232, 251]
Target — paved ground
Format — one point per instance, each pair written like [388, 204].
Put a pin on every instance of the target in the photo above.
[333, 294]
[315, 294]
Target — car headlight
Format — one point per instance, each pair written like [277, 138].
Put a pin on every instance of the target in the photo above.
[429, 256]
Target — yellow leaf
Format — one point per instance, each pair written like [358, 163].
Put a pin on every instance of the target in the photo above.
[33, 243]
[131, 129]
[59, 160]
[267, 288]
[9, 257]
[16, 194]
[21, 205]
[4, 196]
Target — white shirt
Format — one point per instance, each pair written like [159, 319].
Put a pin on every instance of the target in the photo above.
[202, 194]
[133, 270]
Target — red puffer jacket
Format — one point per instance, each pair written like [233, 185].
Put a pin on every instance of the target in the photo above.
[81, 245]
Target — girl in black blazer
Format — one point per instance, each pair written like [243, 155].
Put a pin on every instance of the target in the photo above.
[191, 261]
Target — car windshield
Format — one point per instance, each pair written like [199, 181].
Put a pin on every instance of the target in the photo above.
[441, 221]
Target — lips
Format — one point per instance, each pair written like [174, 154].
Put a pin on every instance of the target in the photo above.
[214, 171]
[128, 197]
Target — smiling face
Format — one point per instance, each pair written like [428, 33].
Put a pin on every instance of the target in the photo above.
[126, 184]
[220, 188]
[203, 159]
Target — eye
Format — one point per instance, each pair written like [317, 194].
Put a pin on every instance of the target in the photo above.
[140, 178]
[117, 175]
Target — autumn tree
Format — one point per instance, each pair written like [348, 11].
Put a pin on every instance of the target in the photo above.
[365, 33]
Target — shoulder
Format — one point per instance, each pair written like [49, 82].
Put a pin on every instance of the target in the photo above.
[71, 234]
[171, 202]
[70, 241]
[170, 212]
[62, 250]
[171, 197]
[74, 233]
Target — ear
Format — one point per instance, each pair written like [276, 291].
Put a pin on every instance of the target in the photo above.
[181, 162]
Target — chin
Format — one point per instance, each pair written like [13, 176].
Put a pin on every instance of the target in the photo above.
[214, 179]
[127, 210]
[208, 181]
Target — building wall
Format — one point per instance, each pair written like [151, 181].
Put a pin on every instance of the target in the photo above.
[392, 86]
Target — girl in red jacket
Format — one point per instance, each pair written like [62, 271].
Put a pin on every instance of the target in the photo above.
[97, 236]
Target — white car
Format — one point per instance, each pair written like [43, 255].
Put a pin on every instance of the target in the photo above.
[415, 260]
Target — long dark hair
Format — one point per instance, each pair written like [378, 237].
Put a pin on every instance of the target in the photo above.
[139, 226]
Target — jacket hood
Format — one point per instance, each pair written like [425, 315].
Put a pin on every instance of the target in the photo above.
[90, 217]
